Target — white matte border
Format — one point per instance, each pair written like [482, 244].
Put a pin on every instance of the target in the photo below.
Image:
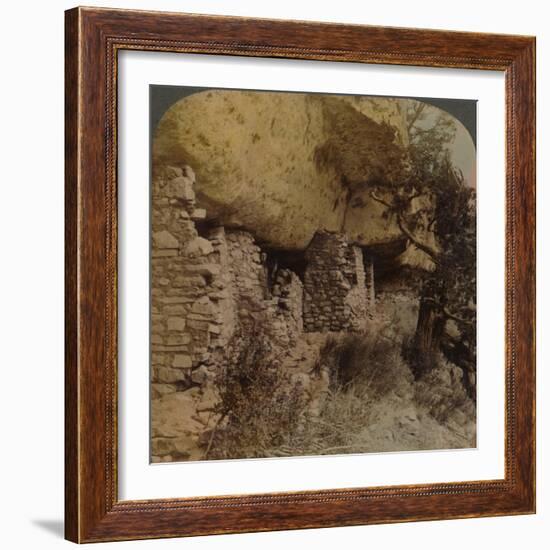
[138, 479]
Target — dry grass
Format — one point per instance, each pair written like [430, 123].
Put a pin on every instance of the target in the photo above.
[265, 414]
[363, 369]
[369, 362]
[260, 409]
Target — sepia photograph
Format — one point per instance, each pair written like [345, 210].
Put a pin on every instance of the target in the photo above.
[313, 274]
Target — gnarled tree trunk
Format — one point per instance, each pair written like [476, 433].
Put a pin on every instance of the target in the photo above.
[427, 338]
[460, 355]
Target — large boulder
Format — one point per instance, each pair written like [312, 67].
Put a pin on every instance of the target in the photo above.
[282, 165]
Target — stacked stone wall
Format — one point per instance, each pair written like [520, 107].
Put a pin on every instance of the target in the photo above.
[369, 286]
[279, 308]
[211, 289]
[334, 284]
[190, 315]
[288, 292]
[205, 289]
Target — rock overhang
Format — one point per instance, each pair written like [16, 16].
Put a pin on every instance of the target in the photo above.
[281, 165]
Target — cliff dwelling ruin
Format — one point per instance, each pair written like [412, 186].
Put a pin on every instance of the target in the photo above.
[273, 230]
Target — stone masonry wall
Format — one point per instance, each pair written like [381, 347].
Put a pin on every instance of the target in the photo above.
[188, 296]
[213, 288]
[335, 296]
[254, 301]
[288, 291]
[205, 289]
[186, 282]
[369, 285]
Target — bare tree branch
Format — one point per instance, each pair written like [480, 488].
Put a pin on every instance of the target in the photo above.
[456, 318]
[381, 200]
[429, 250]
[417, 112]
[415, 195]
[420, 131]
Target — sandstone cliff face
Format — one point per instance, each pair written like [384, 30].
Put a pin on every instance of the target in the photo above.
[281, 164]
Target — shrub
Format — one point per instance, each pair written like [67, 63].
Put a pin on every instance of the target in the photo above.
[366, 361]
[260, 409]
[264, 414]
[363, 370]
[442, 393]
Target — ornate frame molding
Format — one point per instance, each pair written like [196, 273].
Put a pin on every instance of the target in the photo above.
[93, 38]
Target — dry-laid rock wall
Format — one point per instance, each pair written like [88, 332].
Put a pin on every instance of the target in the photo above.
[207, 290]
[179, 292]
[212, 288]
[335, 292]
[187, 325]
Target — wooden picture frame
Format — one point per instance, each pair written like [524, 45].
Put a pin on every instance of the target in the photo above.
[93, 511]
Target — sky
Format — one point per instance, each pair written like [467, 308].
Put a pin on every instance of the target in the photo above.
[463, 154]
[462, 148]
